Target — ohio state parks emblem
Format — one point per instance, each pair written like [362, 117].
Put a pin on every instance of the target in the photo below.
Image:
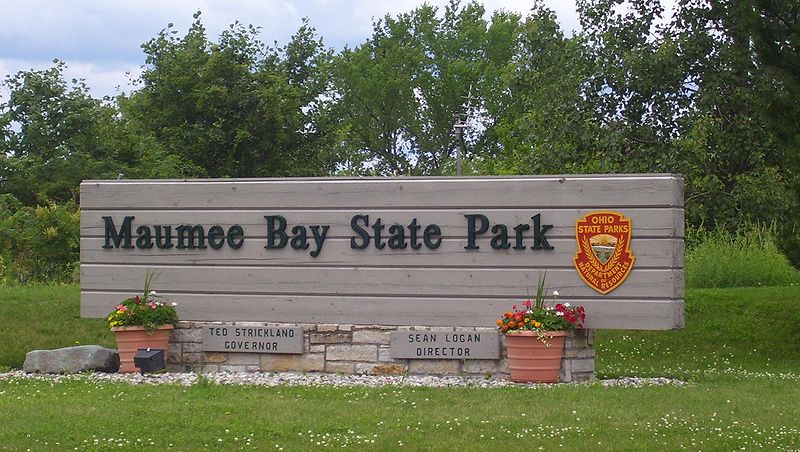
[604, 258]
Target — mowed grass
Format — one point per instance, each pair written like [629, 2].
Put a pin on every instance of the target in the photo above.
[725, 415]
[41, 316]
[739, 353]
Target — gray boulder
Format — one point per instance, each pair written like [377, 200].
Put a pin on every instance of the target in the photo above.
[70, 360]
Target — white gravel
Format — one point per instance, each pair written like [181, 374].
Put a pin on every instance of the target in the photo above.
[320, 379]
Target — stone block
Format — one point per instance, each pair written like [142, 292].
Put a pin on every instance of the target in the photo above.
[502, 366]
[481, 329]
[374, 327]
[326, 327]
[371, 337]
[389, 369]
[178, 367]
[576, 342]
[347, 352]
[583, 376]
[565, 374]
[433, 366]
[191, 358]
[232, 369]
[385, 354]
[184, 325]
[210, 368]
[250, 324]
[308, 362]
[243, 359]
[345, 327]
[582, 365]
[340, 367]
[192, 347]
[213, 357]
[479, 366]
[186, 335]
[380, 369]
[329, 338]
[174, 353]
[317, 349]
[70, 360]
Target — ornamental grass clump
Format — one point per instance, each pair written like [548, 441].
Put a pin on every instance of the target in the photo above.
[148, 310]
[540, 317]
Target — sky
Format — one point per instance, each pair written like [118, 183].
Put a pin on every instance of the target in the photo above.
[100, 40]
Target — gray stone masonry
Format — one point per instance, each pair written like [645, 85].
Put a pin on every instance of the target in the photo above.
[359, 349]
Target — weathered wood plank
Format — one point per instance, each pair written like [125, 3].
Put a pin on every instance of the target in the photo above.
[650, 253]
[420, 193]
[647, 222]
[601, 313]
[448, 286]
[412, 282]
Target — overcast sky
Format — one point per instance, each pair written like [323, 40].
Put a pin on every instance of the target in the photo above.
[100, 40]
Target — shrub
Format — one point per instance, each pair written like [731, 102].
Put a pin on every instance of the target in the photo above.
[748, 257]
[38, 244]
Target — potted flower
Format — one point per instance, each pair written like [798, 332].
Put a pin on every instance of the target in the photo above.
[142, 321]
[535, 333]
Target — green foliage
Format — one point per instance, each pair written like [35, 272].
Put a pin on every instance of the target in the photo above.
[747, 258]
[235, 107]
[709, 91]
[399, 93]
[54, 135]
[38, 243]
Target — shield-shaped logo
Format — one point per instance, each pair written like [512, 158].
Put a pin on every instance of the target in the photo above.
[604, 258]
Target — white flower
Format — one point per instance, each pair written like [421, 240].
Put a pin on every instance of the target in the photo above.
[153, 293]
[174, 304]
[566, 305]
[559, 313]
[555, 293]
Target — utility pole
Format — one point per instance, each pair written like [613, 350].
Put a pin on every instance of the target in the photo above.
[460, 123]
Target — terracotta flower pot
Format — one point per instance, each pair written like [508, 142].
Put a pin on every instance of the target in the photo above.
[532, 360]
[132, 338]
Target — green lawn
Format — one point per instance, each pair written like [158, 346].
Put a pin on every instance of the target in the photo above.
[740, 351]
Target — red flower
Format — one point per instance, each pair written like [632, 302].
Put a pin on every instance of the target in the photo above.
[560, 307]
[137, 300]
[528, 304]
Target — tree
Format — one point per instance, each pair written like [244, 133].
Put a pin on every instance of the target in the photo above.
[398, 94]
[54, 135]
[236, 107]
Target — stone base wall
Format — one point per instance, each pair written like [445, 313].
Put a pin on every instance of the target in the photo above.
[359, 349]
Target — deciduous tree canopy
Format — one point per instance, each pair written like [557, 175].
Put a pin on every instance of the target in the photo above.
[710, 90]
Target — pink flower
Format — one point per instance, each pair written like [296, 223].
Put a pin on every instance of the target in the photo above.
[121, 307]
[528, 304]
[152, 305]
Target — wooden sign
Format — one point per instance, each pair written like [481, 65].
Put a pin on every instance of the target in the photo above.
[392, 251]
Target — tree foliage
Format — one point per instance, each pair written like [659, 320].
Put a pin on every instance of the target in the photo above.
[236, 108]
[710, 90]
